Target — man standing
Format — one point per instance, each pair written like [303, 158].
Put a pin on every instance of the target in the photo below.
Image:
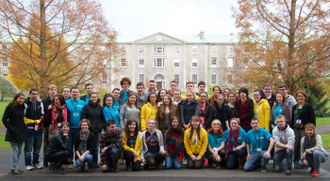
[190, 87]
[117, 103]
[259, 144]
[89, 90]
[110, 146]
[289, 99]
[66, 92]
[34, 114]
[125, 83]
[75, 107]
[151, 88]
[52, 91]
[174, 86]
[268, 90]
[284, 145]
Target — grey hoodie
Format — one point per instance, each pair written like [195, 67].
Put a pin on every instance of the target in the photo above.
[285, 136]
[290, 101]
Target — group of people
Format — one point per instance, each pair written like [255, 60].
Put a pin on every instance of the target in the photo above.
[149, 127]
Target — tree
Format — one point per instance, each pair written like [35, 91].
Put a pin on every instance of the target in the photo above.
[56, 41]
[7, 88]
[281, 40]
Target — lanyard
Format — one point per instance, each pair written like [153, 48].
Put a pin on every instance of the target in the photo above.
[74, 106]
[216, 139]
[299, 111]
[255, 136]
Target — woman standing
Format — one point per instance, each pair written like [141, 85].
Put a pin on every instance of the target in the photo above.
[16, 134]
[131, 144]
[189, 108]
[93, 112]
[302, 114]
[220, 110]
[214, 135]
[244, 109]
[279, 108]
[235, 140]
[149, 110]
[206, 112]
[173, 143]
[195, 143]
[160, 96]
[312, 151]
[152, 153]
[165, 113]
[230, 108]
[216, 91]
[109, 112]
[84, 146]
[130, 110]
[261, 109]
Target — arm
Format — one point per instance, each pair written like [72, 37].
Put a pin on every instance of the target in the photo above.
[187, 142]
[122, 115]
[250, 112]
[197, 110]
[318, 145]
[84, 112]
[125, 146]
[204, 141]
[267, 117]
[5, 116]
[181, 115]
[143, 118]
[46, 118]
[312, 116]
[286, 113]
[118, 141]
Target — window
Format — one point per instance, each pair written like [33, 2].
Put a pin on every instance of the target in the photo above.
[141, 49]
[4, 48]
[230, 50]
[176, 63]
[5, 62]
[194, 63]
[194, 78]
[230, 62]
[176, 49]
[230, 79]
[104, 79]
[177, 78]
[214, 79]
[214, 50]
[194, 49]
[123, 62]
[141, 77]
[213, 62]
[159, 49]
[123, 48]
[141, 62]
[159, 62]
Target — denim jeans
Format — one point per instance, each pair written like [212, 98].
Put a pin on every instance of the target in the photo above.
[254, 161]
[283, 160]
[16, 150]
[72, 133]
[34, 142]
[232, 158]
[314, 159]
[172, 162]
[88, 158]
[97, 146]
[112, 157]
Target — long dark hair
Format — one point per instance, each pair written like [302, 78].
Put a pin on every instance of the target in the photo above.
[198, 131]
[170, 130]
[128, 104]
[60, 98]
[152, 93]
[106, 96]
[14, 102]
[127, 131]
[172, 108]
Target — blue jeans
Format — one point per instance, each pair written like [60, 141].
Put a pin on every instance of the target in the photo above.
[16, 150]
[172, 162]
[283, 160]
[254, 161]
[314, 159]
[34, 141]
[96, 146]
[232, 158]
[72, 133]
[88, 158]
[112, 157]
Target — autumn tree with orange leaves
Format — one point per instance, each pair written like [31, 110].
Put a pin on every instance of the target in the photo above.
[284, 41]
[56, 41]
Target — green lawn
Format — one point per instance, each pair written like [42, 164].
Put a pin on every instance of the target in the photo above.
[3, 105]
[326, 140]
[3, 143]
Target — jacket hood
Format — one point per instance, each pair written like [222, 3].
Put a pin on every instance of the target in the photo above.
[263, 101]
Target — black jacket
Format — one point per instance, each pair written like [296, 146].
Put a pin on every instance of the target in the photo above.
[189, 110]
[90, 143]
[307, 115]
[209, 115]
[46, 102]
[271, 100]
[94, 114]
[56, 144]
[84, 98]
[13, 119]
[34, 110]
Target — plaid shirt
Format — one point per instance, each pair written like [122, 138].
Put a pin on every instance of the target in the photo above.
[110, 141]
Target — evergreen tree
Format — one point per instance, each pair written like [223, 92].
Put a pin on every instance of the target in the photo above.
[7, 88]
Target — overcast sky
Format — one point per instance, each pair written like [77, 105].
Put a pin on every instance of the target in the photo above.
[173, 17]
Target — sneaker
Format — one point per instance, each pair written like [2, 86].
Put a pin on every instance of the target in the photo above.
[315, 173]
[59, 171]
[29, 168]
[70, 166]
[271, 161]
[38, 166]
[312, 169]
[263, 169]
[288, 172]
[96, 165]
[17, 172]
[159, 166]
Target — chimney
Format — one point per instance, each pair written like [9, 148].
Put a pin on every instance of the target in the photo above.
[201, 35]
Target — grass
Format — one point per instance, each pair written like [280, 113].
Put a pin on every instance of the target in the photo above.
[3, 143]
[3, 105]
[326, 140]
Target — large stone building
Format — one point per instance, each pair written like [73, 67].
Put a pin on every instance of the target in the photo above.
[164, 58]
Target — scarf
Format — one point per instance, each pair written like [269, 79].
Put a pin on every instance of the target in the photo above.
[55, 115]
[83, 141]
[176, 147]
[235, 136]
[309, 144]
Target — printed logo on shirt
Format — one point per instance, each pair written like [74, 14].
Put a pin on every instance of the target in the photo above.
[152, 140]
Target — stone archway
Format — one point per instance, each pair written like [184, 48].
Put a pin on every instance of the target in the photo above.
[160, 81]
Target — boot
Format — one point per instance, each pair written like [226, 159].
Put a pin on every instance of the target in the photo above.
[90, 168]
[241, 162]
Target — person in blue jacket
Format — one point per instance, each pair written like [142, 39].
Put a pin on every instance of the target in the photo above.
[109, 111]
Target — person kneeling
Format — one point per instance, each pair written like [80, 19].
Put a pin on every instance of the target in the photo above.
[217, 153]
[262, 143]
[110, 146]
[57, 151]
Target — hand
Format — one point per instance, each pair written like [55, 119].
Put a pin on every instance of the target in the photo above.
[135, 154]
[65, 135]
[198, 158]
[144, 161]
[305, 162]
[248, 157]
[104, 167]
[238, 148]
[104, 150]
[36, 128]
[291, 148]
[267, 155]
[81, 159]
[162, 152]
[277, 150]
[50, 107]
[193, 157]
[186, 126]
[304, 155]
[135, 159]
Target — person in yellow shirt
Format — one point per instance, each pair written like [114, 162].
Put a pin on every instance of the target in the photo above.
[131, 143]
[149, 110]
[261, 109]
[195, 143]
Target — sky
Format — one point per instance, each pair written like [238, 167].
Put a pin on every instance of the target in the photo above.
[173, 17]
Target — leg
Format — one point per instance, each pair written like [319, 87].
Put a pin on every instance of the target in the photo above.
[169, 162]
[289, 157]
[231, 161]
[150, 160]
[45, 145]
[176, 164]
[72, 133]
[14, 153]
[318, 157]
[298, 137]
[136, 165]
[28, 147]
[37, 146]
[96, 148]
[114, 155]
[264, 160]
[129, 157]
[222, 154]
[253, 162]
[190, 163]
[79, 163]
[278, 157]
[199, 164]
